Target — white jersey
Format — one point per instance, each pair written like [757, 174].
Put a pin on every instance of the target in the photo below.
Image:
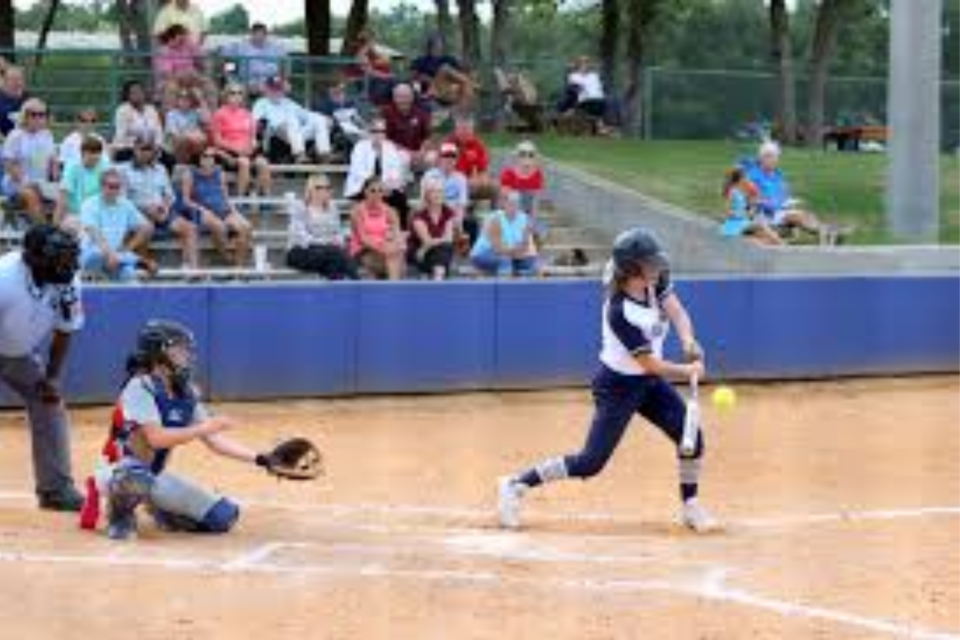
[28, 314]
[633, 327]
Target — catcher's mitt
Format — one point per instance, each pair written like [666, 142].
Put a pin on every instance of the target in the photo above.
[293, 459]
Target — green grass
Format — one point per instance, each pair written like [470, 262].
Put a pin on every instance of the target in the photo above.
[846, 188]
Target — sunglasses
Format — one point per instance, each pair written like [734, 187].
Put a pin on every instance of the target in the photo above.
[111, 186]
[235, 93]
[87, 120]
[526, 154]
[448, 155]
[321, 187]
[378, 131]
[36, 114]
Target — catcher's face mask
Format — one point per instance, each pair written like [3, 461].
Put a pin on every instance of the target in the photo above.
[181, 358]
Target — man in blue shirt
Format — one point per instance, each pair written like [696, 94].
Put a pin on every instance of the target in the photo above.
[113, 229]
[774, 201]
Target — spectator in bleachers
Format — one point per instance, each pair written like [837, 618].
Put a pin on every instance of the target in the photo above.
[505, 246]
[442, 77]
[456, 191]
[185, 14]
[205, 200]
[432, 229]
[408, 126]
[13, 93]
[113, 230]
[474, 160]
[376, 156]
[348, 125]
[135, 117]
[315, 241]
[740, 220]
[525, 176]
[774, 201]
[86, 127]
[176, 56]
[31, 168]
[374, 68]
[234, 134]
[285, 120]
[81, 180]
[258, 58]
[186, 124]
[377, 242]
[148, 186]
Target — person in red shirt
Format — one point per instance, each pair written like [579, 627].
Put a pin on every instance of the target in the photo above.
[474, 159]
[525, 176]
[408, 126]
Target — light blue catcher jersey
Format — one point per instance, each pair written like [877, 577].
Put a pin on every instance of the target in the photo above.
[634, 327]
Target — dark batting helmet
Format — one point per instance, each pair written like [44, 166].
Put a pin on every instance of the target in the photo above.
[51, 254]
[154, 341]
[636, 249]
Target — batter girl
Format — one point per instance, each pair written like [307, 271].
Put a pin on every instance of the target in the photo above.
[639, 309]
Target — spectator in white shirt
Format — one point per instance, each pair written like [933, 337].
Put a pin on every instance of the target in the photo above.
[283, 118]
[86, 127]
[31, 168]
[585, 89]
[376, 156]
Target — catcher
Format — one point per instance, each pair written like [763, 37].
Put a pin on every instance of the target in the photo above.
[159, 410]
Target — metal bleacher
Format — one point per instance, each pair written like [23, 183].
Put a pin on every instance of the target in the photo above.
[269, 217]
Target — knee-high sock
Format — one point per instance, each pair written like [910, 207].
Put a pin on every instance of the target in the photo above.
[545, 471]
[689, 472]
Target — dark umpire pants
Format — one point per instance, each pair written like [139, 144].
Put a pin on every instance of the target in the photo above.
[617, 398]
[49, 427]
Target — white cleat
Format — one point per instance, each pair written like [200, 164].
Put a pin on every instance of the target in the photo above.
[695, 517]
[509, 495]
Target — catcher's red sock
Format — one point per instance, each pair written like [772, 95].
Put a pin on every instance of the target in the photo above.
[90, 512]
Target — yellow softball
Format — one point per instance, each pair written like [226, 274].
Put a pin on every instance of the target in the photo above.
[724, 398]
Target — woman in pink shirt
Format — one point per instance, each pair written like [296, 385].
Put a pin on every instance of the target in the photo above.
[234, 134]
[376, 241]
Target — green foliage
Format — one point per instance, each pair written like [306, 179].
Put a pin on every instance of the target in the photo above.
[841, 187]
[232, 21]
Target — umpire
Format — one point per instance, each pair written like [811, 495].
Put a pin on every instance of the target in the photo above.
[40, 296]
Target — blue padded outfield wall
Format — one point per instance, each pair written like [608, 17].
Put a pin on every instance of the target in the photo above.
[322, 339]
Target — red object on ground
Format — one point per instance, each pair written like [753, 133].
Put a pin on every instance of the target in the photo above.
[90, 512]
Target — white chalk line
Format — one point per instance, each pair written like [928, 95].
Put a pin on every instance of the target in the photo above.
[710, 587]
[487, 515]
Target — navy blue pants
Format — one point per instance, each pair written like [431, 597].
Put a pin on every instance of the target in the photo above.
[617, 398]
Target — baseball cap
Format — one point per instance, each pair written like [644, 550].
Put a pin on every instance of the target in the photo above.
[275, 83]
[449, 149]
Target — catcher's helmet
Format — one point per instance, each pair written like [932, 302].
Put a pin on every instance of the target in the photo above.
[153, 342]
[51, 253]
[635, 249]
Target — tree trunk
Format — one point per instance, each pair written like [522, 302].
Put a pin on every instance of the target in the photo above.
[6, 24]
[357, 21]
[782, 53]
[500, 32]
[829, 18]
[317, 14]
[609, 43]
[444, 21]
[640, 17]
[469, 33]
[45, 28]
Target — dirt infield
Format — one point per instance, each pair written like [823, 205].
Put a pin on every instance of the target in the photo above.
[842, 504]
